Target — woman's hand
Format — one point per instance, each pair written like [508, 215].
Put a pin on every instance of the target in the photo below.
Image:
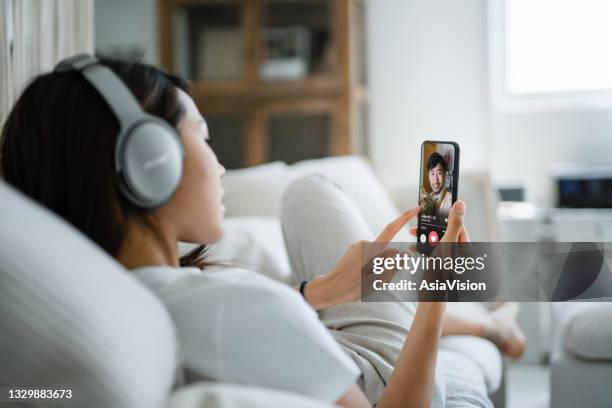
[343, 283]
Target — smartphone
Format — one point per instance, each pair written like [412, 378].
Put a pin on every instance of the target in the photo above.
[437, 191]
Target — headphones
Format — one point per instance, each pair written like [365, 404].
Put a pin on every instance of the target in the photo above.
[148, 153]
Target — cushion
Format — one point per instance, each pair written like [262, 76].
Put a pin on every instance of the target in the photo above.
[473, 358]
[211, 395]
[257, 191]
[460, 369]
[254, 243]
[72, 317]
[483, 354]
[588, 333]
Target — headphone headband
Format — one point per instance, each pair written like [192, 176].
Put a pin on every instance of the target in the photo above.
[120, 100]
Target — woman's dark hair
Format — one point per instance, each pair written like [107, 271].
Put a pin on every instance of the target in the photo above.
[434, 160]
[58, 142]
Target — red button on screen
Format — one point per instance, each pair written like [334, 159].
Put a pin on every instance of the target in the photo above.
[433, 238]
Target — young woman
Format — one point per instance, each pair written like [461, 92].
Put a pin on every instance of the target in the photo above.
[57, 147]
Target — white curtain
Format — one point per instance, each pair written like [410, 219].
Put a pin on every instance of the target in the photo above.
[34, 36]
[6, 71]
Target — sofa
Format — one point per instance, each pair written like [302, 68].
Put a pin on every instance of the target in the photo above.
[73, 317]
[581, 355]
[253, 239]
[581, 345]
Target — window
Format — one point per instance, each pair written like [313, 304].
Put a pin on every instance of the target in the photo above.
[550, 54]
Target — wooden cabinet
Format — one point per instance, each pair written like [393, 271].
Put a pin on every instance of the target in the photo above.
[222, 45]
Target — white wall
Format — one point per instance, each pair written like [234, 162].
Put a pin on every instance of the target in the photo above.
[529, 146]
[428, 80]
[127, 23]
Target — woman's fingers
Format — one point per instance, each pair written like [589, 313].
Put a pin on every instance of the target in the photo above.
[455, 222]
[396, 225]
[463, 235]
[413, 231]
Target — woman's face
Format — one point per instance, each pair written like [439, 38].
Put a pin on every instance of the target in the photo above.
[196, 210]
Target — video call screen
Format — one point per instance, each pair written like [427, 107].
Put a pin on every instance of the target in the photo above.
[435, 191]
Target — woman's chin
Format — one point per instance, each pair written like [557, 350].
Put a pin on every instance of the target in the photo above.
[216, 236]
[210, 236]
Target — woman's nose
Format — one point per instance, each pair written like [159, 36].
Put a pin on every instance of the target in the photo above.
[221, 170]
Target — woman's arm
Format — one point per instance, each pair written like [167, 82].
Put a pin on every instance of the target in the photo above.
[320, 292]
[412, 381]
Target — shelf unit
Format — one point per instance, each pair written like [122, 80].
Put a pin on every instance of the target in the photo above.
[219, 45]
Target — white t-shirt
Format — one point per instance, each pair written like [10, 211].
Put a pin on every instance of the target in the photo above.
[240, 327]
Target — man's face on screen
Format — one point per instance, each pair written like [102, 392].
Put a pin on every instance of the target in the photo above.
[436, 178]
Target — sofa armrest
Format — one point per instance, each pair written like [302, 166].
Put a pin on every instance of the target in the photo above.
[586, 331]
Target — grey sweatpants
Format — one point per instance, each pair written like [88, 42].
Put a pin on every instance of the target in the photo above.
[319, 224]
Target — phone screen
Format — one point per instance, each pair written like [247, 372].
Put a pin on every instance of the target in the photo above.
[437, 191]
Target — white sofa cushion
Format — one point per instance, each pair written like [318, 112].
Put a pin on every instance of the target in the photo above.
[474, 359]
[257, 191]
[483, 354]
[254, 243]
[72, 318]
[588, 333]
[211, 395]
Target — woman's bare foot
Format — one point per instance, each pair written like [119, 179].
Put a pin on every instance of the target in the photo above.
[504, 331]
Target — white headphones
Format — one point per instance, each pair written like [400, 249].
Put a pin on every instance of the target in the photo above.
[148, 152]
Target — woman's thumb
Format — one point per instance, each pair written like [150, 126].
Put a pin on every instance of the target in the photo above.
[455, 222]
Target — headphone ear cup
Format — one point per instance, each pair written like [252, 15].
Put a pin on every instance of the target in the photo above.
[150, 160]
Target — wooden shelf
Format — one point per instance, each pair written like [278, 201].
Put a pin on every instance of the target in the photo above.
[311, 87]
[330, 97]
